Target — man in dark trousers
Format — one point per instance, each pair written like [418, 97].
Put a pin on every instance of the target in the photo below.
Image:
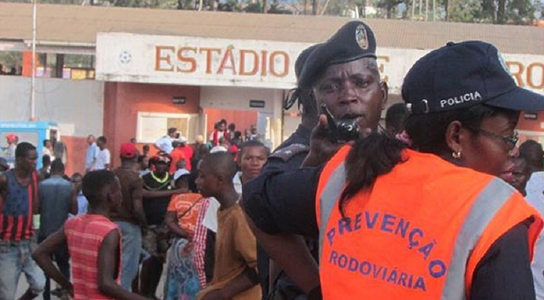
[58, 198]
[157, 193]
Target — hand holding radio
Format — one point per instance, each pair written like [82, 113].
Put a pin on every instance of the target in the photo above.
[341, 130]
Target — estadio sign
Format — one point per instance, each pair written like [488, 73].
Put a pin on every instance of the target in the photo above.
[197, 61]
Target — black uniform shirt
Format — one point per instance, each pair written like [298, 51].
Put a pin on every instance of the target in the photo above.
[279, 204]
[288, 156]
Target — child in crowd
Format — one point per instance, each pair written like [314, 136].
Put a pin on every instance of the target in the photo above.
[182, 280]
[93, 242]
[234, 275]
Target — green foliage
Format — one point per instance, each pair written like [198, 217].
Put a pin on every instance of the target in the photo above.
[520, 12]
[230, 5]
[467, 11]
[389, 6]
[277, 8]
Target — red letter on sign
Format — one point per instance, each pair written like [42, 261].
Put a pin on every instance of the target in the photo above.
[228, 56]
[516, 75]
[285, 63]
[530, 74]
[209, 57]
[243, 62]
[159, 57]
[189, 60]
[264, 55]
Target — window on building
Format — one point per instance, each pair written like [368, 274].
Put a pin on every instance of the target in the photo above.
[152, 126]
[46, 65]
[79, 66]
[11, 62]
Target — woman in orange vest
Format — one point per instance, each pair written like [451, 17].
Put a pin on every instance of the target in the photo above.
[426, 221]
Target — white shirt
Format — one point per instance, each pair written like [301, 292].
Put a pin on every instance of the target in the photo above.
[237, 181]
[219, 135]
[102, 159]
[165, 144]
[46, 151]
[210, 218]
[218, 148]
[90, 156]
[535, 197]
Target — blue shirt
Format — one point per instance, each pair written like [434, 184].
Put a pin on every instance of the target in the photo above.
[17, 200]
[55, 196]
[82, 204]
[92, 152]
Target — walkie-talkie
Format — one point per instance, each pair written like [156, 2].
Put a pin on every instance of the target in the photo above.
[342, 130]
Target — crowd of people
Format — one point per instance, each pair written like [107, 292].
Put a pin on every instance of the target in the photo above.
[440, 203]
[168, 208]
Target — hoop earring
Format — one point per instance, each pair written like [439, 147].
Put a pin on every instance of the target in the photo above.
[456, 155]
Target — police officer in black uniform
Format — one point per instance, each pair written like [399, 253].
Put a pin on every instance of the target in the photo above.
[354, 42]
[289, 156]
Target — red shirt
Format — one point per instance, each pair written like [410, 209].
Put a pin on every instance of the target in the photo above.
[189, 152]
[177, 154]
[85, 234]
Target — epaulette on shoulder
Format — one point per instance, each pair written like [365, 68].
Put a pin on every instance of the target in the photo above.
[290, 151]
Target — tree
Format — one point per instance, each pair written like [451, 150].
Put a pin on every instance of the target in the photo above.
[467, 11]
[389, 5]
[520, 12]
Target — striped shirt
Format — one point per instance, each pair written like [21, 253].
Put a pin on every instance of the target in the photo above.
[85, 234]
[16, 209]
[199, 239]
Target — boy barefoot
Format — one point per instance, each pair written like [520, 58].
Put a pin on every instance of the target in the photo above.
[93, 242]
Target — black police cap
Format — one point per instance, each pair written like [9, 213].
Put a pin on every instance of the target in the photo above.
[460, 75]
[354, 40]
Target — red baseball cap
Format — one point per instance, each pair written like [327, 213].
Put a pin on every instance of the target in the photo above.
[233, 149]
[11, 137]
[128, 150]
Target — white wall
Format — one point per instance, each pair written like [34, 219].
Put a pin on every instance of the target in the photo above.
[234, 98]
[76, 105]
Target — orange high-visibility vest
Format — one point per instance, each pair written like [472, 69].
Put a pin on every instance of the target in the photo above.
[420, 232]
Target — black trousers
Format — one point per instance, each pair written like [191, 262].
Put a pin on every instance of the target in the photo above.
[62, 258]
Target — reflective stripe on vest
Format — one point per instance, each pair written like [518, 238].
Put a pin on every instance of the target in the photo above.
[329, 198]
[485, 206]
